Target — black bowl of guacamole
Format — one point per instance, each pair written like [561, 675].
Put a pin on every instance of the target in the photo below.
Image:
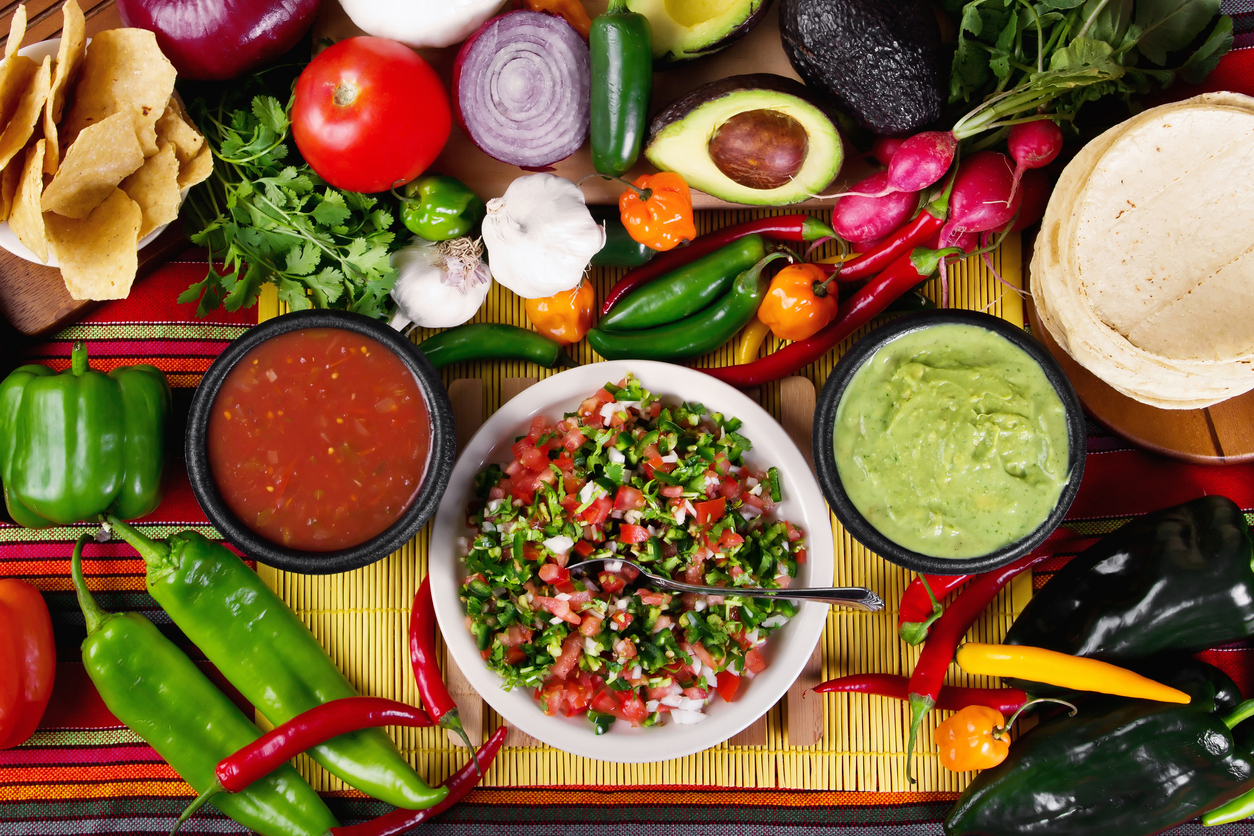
[949, 442]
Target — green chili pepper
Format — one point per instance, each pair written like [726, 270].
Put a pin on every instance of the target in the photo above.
[76, 444]
[152, 687]
[696, 335]
[440, 208]
[620, 250]
[621, 43]
[491, 341]
[687, 290]
[269, 655]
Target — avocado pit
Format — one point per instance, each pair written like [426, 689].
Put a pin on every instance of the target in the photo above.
[760, 149]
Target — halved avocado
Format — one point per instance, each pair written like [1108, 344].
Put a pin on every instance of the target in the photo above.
[687, 29]
[754, 139]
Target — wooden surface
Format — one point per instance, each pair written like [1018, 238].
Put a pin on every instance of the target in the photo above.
[758, 52]
[1221, 434]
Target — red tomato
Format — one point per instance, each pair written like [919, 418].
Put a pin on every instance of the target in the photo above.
[754, 663]
[728, 683]
[629, 533]
[711, 510]
[628, 499]
[369, 114]
[552, 573]
[598, 512]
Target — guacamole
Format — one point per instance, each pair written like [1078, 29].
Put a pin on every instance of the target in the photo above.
[951, 441]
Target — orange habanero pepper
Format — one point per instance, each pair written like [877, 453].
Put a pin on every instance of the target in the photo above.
[797, 303]
[564, 317]
[977, 736]
[657, 211]
[572, 11]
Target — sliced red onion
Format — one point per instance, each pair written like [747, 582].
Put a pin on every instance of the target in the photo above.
[522, 85]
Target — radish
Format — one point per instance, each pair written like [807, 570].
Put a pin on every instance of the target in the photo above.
[1037, 186]
[982, 198]
[921, 161]
[885, 147]
[867, 213]
[1033, 144]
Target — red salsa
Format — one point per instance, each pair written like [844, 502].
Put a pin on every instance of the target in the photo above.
[318, 439]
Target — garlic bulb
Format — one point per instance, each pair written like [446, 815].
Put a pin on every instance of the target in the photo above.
[439, 284]
[540, 236]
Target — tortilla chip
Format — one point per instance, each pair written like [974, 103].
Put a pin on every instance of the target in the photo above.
[16, 75]
[18, 132]
[98, 254]
[124, 71]
[155, 188]
[102, 157]
[26, 219]
[17, 31]
[174, 126]
[8, 188]
[69, 56]
[200, 167]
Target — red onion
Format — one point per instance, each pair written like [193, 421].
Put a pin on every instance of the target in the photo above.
[220, 39]
[522, 85]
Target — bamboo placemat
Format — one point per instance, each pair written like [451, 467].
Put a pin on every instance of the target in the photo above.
[362, 617]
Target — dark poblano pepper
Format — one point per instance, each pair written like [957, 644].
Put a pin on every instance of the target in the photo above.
[269, 655]
[152, 687]
[438, 207]
[1119, 768]
[76, 444]
[1176, 579]
[621, 44]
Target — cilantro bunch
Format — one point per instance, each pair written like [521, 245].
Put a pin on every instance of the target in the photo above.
[267, 217]
[1019, 58]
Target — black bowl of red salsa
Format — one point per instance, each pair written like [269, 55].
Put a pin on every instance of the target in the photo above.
[320, 441]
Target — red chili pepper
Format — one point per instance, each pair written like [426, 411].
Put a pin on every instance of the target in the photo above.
[950, 698]
[947, 633]
[867, 264]
[918, 611]
[781, 228]
[425, 662]
[869, 301]
[461, 782]
[304, 731]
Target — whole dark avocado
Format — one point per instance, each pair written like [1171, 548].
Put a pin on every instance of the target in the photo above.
[879, 60]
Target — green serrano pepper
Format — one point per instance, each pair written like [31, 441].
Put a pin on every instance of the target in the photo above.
[152, 687]
[705, 331]
[491, 341]
[620, 250]
[686, 290]
[269, 655]
[621, 44]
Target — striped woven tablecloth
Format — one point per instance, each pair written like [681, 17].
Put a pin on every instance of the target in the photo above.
[83, 772]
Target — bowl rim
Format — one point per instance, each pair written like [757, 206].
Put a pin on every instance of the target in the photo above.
[440, 455]
[825, 457]
[787, 656]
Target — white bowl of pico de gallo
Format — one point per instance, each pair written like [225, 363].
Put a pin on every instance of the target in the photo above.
[662, 465]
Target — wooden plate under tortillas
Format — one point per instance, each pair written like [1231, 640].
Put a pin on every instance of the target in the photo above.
[1144, 267]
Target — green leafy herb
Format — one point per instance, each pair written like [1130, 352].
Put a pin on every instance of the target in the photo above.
[1023, 58]
[267, 217]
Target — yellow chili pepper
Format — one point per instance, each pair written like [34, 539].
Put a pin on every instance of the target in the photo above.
[572, 11]
[751, 340]
[564, 317]
[797, 303]
[1053, 668]
[977, 737]
[657, 211]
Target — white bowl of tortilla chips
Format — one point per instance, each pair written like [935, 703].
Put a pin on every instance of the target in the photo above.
[1144, 267]
[96, 153]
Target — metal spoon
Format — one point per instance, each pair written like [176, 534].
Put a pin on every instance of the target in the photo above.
[854, 597]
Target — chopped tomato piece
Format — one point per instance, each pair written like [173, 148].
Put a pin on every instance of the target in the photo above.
[583, 548]
[628, 499]
[794, 533]
[800, 554]
[591, 624]
[573, 439]
[622, 619]
[496, 493]
[762, 503]
[516, 635]
[654, 599]
[533, 459]
[729, 539]
[514, 656]
[729, 489]
[728, 684]
[671, 491]
[559, 608]
[552, 695]
[711, 510]
[754, 663]
[610, 582]
[554, 574]
[633, 709]
[598, 512]
[570, 502]
[567, 465]
[655, 409]
[721, 465]
[539, 425]
[625, 648]
[571, 648]
[532, 551]
[604, 702]
[629, 533]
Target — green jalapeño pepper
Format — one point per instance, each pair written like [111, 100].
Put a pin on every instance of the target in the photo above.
[1119, 768]
[620, 250]
[77, 444]
[269, 655]
[152, 687]
[696, 335]
[491, 341]
[621, 43]
[440, 208]
[1176, 579]
[686, 290]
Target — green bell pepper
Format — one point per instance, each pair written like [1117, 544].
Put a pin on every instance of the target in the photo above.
[440, 208]
[77, 444]
[1176, 579]
[1119, 768]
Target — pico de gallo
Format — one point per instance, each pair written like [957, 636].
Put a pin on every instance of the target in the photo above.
[665, 486]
